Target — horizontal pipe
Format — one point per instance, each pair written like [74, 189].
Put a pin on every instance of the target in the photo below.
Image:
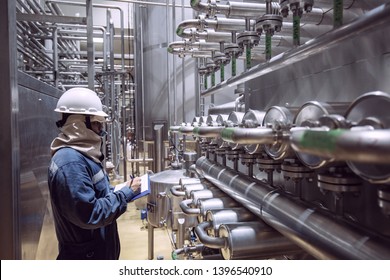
[364, 146]
[186, 130]
[247, 136]
[207, 131]
[369, 22]
[320, 235]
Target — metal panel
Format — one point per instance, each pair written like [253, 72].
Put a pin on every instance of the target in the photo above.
[37, 129]
[9, 141]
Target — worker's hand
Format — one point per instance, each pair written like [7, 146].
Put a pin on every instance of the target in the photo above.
[135, 184]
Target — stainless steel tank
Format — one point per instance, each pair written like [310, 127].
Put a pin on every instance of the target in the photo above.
[158, 204]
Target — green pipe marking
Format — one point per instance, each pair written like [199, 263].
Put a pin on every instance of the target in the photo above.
[296, 30]
[195, 131]
[179, 31]
[268, 50]
[222, 73]
[321, 140]
[212, 79]
[227, 133]
[234, 70]
[248, 57]
[338, 13]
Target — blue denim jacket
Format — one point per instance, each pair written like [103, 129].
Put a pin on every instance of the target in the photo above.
[85, 207]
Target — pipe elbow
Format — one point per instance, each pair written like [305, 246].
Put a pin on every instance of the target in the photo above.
[184, 205]
[208, 241]
[176, 191]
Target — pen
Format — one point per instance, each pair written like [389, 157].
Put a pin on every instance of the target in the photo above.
[131, 178]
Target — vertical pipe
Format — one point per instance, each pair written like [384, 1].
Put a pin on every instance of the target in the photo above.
[143, 84]
[167, 17]
[198, 81]
[90, 46]
[124, 140]
[183, 73]
[338, 13]
[296, 29]
[174, 66]
[248, 55]
[222, 72]
[234, 66]
[180, 233]
[213, 79]
[158, 147]
[150, 242]
[55, 56]
[268, 46]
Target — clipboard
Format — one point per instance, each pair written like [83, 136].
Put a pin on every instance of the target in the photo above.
[144, 189]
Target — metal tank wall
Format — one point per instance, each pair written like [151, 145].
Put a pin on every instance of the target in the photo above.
[36, 130]
[159, 75]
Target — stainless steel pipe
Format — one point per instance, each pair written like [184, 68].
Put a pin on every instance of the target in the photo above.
[320, 235]
[373, 20]
[245, 240]
[240, 135]
[367, 146]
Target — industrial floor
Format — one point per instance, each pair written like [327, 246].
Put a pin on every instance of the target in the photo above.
[133, 233]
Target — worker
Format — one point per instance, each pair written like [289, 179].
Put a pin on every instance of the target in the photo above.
[85, 205]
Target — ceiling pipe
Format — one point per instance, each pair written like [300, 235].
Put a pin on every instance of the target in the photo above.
[371, 21]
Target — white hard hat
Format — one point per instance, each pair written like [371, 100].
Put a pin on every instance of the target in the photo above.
[81, 101]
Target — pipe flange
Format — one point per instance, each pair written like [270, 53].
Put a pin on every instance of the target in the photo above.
[211, 148]
[221, 59]
[220, 151]
[269, 23]
[295, 170]
[281, 120]
[308, 116]
[339, 182]
[247, 158]
[267, 163]
[203, 70]
[371, 109]
[250, 38]
[234, 154]
[232, 50]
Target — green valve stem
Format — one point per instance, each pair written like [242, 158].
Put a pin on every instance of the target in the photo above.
[248, 53]
[234, 66]
[212, 79]
[222, 73]
[296, 30]
[205, 82]
[338, 13]
[268, 50]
